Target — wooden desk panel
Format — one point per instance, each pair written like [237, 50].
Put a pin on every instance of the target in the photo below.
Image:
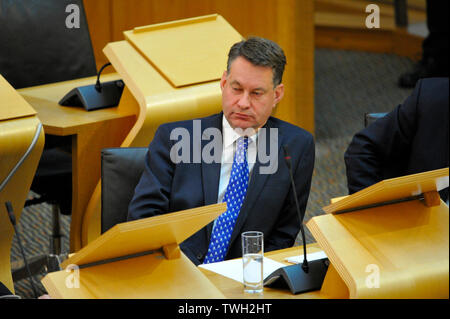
[66, 120]
[136, 283]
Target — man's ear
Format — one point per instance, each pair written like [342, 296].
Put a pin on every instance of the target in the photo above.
[223, 80]
[279, 93]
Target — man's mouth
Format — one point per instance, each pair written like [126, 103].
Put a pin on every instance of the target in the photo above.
[242, 116]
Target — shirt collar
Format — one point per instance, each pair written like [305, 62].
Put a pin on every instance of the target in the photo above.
[230, 135]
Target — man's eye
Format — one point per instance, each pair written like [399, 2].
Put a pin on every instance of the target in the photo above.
[257, 93]
[237, 89]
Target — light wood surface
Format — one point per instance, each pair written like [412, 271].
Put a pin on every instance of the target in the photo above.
[90, 131]
[68, 120]
[18, 126]
[146, 234]
[189, 58]
[147, 277]
[406, 242]
[398, 250]
[12, 105]
[392, 189]
[235, 290]
[160, 270]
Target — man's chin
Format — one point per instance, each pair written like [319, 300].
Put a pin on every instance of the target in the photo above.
[242, 124]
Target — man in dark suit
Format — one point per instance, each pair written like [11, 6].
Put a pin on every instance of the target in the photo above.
[412, 138]
[248, 168]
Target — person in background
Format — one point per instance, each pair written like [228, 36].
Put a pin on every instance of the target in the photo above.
[435, 47]
[412, 138]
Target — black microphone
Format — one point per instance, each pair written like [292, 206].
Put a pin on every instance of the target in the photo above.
[310, 275]
[94, 97]
[12, 218]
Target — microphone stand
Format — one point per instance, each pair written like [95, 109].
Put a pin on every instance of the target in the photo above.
[304, 277]
[12, 219]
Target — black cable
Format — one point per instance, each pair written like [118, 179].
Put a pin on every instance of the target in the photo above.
[98, 86]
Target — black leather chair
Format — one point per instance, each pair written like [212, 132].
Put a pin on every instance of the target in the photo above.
[369, 118]
[121, 170]
[38, 48]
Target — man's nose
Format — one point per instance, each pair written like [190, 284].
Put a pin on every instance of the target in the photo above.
[244, 101]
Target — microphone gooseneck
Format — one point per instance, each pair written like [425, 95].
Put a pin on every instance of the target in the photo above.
[98, 85]
[287, 158]
[301, 277]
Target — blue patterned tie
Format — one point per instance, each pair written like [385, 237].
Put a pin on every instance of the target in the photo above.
[234, 196]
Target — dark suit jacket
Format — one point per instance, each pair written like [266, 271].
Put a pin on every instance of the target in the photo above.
[269, 205]
[412, 138]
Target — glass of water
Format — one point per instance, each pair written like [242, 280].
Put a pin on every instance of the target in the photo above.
[252, 259]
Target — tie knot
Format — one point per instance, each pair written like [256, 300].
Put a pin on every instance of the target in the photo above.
[242, 143]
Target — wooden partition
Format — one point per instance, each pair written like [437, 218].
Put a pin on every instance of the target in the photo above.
[287, 22]
[140, 259]
[21, 144]
[340, 24]
[389, 240]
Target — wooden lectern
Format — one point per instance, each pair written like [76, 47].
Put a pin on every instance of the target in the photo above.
[21, 144]
[172, 72]
[138, 259]
[389, 240]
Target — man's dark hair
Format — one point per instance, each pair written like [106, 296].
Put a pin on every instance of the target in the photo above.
[260, 52]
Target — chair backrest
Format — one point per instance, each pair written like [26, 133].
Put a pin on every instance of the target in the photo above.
[121, 170]
[37, 47]
[369, 118]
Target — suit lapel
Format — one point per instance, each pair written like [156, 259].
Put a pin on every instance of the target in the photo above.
[211, 171]
[255, 187]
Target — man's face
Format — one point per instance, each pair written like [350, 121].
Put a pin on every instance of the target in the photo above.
[248, 95]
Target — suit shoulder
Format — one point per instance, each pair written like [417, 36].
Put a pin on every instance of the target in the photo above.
[188, 123]
[432, 96]
[434, 83]
[290, 130]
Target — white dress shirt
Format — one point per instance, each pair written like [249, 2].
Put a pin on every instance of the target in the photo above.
[229, 147]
